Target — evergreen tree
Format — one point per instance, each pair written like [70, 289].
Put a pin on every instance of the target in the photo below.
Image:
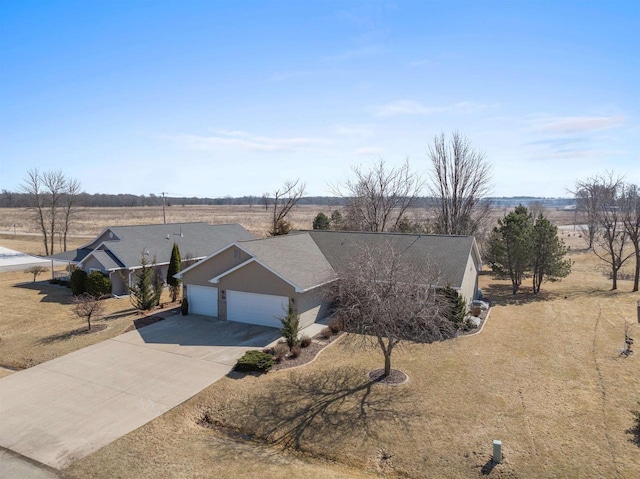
[337, 220]
[290, 327]
[547, 253]
[509, 247]
[321, 222]
[143, 292]
[175, 266]
[455, 307]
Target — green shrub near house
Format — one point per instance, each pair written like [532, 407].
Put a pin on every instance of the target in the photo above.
[254, 360]
[78, 282]
[98, 284]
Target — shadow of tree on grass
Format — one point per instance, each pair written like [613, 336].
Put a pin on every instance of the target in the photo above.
[502, 294]
[95, 328]
[312, 408]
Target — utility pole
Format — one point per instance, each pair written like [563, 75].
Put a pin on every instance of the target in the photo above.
[164, 215]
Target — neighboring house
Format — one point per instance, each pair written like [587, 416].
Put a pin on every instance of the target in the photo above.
[118, 249]
[254, 281]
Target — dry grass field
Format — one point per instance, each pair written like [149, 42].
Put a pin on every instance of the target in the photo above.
[90, 221]
[545, 377]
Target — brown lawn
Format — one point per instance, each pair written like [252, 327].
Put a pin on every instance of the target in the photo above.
[545, 377]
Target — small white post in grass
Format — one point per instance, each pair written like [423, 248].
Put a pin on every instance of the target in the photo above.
[497, 451]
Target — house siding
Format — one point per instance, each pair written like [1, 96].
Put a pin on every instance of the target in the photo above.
[254, 278]
[118, 286]
[92, 263]
[469, 284]
[201, 274]
[312, 306]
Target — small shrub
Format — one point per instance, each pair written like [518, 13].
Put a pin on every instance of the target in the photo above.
[184, 306]
[290, 326]
[254, 361]
[270, 351]
[98, 284]
[295, 352]
[335, 325]
[326, 333]
[78, 282]
[305, 341]
[279, 352]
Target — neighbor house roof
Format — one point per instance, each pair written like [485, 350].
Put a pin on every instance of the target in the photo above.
[123, 246]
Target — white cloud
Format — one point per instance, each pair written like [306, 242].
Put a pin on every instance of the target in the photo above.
[578, 124]
[223, 139]
[369, 150]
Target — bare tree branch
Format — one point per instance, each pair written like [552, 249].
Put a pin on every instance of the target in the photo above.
[284, 199]
[460, 179]
[378, 198]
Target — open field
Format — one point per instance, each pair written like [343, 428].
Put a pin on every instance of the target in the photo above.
[545, 377]
[90, 221]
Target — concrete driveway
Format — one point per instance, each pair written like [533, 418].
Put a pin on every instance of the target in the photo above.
[65, 409]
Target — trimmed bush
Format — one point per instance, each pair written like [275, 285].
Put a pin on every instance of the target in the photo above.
[78, 282]
[184, 306]
[295, 352]
[326, 333]
[254, 361]
[97, 284]
[335, 325]
[279, 352]
[305, 341]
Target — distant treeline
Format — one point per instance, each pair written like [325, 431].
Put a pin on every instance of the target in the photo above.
[9, 199]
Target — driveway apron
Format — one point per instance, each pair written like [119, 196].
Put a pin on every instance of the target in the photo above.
[62, 410]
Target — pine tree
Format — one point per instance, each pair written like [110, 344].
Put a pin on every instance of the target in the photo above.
[547, 253]
[509, 250]
[175, 266]
[143, 292]
[290, 327]
[321, 222]
[455, 307]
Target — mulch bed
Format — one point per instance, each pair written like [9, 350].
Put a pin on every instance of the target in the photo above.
[395, 378]
[151, 318]
[306, 354]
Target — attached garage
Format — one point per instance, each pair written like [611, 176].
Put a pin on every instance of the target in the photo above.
[203, 300]
[254, 308]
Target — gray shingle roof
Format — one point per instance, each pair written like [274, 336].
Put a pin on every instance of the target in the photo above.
[294, 257]
[448, 255]
[107, 260]
[197, 240]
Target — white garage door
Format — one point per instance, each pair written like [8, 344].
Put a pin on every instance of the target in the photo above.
[262, 309]
[203, 300]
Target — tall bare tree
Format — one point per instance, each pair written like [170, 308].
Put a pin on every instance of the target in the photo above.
[630, 206]
[460, 179]
[377, 198]
[69, 207]
[592, 195]
[53, 199]
[284, 199]
[86, 307]
[386, 300]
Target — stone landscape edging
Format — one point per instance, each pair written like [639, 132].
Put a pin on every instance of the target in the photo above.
[316, 356]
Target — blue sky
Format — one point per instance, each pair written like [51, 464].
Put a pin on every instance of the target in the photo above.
[232, 98]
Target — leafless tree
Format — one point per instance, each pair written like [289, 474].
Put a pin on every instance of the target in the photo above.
[377, 198]
[8, 196]
[265, 200]
[591, 194]
[460, 180]
[69, 207]
[284, 199]
[86, 307]
[631, 219]
[49, 193]
[35, 271]
[384, 299]
[611, 240]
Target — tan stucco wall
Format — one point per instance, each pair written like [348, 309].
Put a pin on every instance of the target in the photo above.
[224, 261]
[254, 278]
[469, 281]
[311, 306]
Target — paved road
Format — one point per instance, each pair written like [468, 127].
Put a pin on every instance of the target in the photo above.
[65, 409]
